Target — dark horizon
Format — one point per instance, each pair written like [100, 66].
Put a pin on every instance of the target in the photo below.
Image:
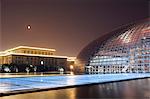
[68, 26]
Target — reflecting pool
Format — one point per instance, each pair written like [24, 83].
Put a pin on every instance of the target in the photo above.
[18, 84]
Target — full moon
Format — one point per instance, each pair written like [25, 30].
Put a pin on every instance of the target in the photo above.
[28, 27]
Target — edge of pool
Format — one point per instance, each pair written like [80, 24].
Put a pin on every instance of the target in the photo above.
[63, 87]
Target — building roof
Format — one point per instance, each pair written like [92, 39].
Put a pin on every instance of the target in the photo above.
[28, 47]
[9, 52]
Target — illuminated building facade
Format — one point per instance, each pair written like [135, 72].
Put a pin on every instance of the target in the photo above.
[124, 50]
[39, 59]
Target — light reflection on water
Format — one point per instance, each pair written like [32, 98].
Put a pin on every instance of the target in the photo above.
[8, 75]
[127, 89]
[57, 94]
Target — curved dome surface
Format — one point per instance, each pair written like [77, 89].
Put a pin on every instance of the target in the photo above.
[126, 49]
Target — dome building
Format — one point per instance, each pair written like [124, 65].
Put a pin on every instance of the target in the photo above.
[124, 50]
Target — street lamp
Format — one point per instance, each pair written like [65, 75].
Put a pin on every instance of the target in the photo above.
[42, 62]
[71, 67]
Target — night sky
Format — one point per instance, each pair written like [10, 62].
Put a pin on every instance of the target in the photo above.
[66, 25]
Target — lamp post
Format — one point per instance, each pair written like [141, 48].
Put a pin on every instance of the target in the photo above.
[35, 69]
[71, 69]
[42, 62]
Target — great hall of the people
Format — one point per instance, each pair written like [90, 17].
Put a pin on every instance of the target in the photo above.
[34, 57]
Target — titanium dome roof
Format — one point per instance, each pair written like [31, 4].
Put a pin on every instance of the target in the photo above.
[120, 42]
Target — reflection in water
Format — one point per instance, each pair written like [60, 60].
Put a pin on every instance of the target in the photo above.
[127, 89]
[57, 94]
[71, 80]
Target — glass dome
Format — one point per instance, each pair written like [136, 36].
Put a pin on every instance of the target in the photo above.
[126, 50]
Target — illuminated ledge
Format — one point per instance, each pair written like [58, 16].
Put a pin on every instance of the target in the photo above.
[71, 58]
[11, 53]
[2, 53]
[37, 48]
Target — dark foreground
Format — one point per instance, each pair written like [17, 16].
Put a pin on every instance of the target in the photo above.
[134, 89]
